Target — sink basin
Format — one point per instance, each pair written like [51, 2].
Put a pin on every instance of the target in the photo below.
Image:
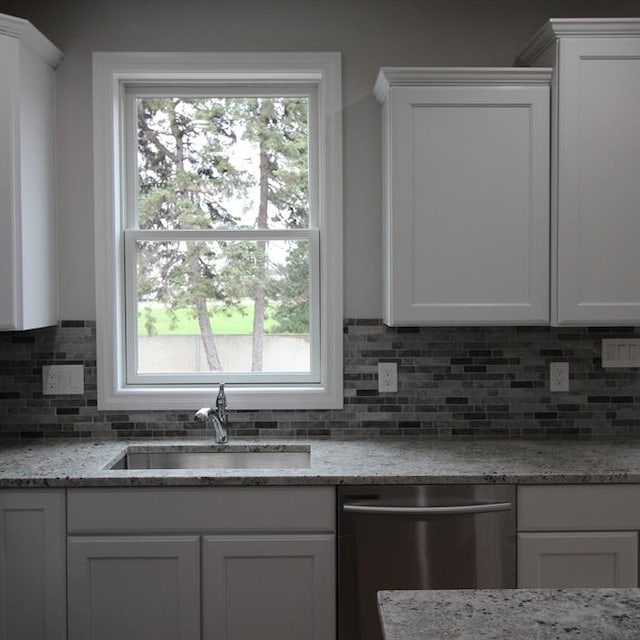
[208, 458]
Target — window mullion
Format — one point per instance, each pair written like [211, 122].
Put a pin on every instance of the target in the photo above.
[219, 234]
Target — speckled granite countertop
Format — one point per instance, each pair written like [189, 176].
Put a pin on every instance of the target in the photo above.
[73, 463]
[518, 614]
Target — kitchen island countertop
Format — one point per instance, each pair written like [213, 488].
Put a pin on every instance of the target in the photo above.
[84, 463]
[511, 614]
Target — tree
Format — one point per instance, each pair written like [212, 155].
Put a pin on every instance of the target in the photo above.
[184, 180]
[292, 293]
[279, 128]
[192, 175]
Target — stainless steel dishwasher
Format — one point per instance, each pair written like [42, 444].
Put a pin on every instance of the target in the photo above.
[419, 537]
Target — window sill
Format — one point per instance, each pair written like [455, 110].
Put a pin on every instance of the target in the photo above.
[242, 397]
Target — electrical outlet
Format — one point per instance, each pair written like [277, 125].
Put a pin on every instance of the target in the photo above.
[559, 376]
[62, 379]
[387, 377]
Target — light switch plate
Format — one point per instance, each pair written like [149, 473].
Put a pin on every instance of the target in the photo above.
[618, 352]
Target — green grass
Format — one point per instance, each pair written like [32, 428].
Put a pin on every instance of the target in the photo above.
[229, 322]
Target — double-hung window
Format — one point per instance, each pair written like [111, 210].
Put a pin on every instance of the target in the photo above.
[218, 211]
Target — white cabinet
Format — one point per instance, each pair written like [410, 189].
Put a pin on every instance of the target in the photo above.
[132, 587]
[578, 560]
[284, 581]
[32, 564]
[595, 168]
[221, 563]
[465, 195]
[578, 536]
[28, 275]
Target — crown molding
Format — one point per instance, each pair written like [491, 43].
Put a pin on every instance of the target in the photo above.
[389, 77]
[23, 30]
[557, 28]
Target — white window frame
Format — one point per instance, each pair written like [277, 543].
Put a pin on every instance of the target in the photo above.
[132, 233]
[112, 72]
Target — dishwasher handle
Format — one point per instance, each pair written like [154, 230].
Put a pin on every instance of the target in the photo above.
[455, 510]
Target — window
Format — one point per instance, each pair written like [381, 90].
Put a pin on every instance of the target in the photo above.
[218, 229]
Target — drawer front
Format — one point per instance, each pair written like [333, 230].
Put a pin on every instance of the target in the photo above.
[201, 510]
[579, 507]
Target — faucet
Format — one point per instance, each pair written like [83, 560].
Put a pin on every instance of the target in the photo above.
[217, 417]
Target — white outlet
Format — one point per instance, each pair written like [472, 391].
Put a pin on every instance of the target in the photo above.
[387, 377]
[59, 379]
[559, 376]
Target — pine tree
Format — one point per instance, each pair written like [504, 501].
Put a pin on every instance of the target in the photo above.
[191, 177]
[184, 180]
[279, 128]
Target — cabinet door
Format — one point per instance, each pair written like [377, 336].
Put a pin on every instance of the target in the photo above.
[467, 205]
[28, 273]
[581, 560]
[32, 565]
[9, 61]
[269, 587]
[132, 588]
[598, 190]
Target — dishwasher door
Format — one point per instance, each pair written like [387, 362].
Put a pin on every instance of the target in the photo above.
[420, 537]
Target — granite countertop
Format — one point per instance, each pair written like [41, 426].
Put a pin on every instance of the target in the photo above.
[511, 614]
[76, 463]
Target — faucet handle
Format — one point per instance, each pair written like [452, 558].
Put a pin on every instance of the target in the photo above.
[201, 415]
[221, 399]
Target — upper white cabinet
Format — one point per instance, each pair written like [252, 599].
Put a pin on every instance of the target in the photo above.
[28, 275]
[595, 202]
[465, 195]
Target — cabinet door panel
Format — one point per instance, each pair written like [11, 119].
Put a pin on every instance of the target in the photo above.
[28, 274]
[32, 565]
[469, 205]
[269, 587]
[580, 560]
[598, 224]
[9, 64]
[132, 588]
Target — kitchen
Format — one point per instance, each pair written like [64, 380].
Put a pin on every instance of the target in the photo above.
[455, 381]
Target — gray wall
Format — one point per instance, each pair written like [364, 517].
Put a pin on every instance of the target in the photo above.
[369, 33]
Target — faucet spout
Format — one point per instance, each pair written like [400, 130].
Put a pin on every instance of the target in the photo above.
[220, 428]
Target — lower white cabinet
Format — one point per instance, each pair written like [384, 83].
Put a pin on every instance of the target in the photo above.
[268, 587]
[578, 536]
[32, 564]
[578, 560]
[134, 587]
[213, 564]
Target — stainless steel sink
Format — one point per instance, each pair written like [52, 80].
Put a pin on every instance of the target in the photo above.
[214, 458]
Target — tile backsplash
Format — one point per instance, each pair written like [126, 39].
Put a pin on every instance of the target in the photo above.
[452, 382]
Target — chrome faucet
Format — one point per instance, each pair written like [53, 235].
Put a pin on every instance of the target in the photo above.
[217, 417]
